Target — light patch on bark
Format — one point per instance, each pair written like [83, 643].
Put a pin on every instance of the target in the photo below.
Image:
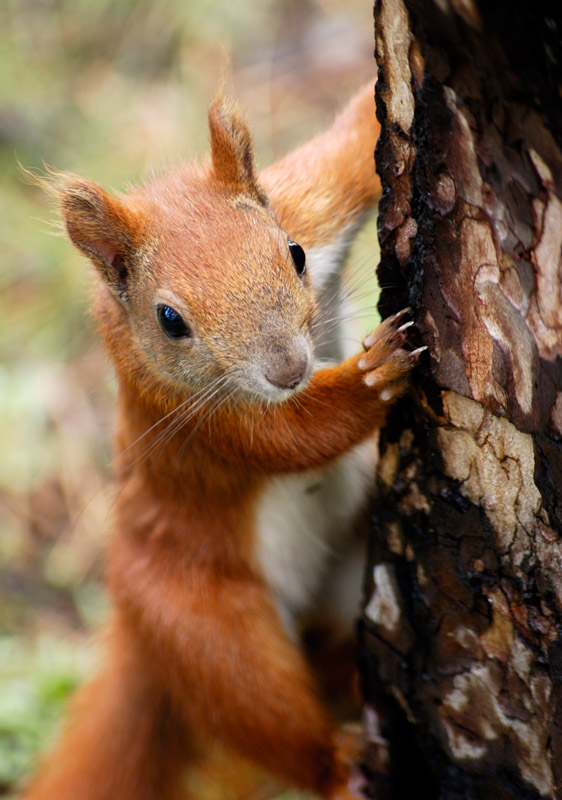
[543, 170]
[494, 463]
[467, 180]
[442, 5]
[548, 549]
[384, 606]
[460, 745]
[469, 641]
[468, 734]
[387, 468]
[549, 278]
[446, 193]
[393, 18]
[395, 538]
[478, 253]
[469, 12]
[415, 500]
[405, 234]
[507, 327]
[497, 640]
[385, 609]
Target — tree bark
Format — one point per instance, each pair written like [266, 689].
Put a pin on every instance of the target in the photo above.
[461, 630]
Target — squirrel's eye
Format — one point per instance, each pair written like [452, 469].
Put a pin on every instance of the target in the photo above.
[298, 256]
[171, 322]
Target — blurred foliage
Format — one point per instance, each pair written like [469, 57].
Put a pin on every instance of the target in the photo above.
[110, 89]
[36, 680]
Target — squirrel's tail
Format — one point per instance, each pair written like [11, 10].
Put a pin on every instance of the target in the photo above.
[122, 740]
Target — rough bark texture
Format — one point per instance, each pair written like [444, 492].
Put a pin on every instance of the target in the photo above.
[462, 628]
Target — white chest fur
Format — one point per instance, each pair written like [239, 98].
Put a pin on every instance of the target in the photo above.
[303, 523]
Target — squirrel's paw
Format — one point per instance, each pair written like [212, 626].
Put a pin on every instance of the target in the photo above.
[385, 363]
[354, 748]
[349, 749]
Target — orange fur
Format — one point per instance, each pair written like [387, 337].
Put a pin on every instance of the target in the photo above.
[197, 649]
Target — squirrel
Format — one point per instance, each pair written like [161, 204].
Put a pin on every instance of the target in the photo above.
[210, 285]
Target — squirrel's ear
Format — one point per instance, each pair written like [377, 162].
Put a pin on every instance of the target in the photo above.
[232, 150]
[103, 228]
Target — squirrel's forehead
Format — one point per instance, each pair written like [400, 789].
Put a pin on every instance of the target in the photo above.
[239, 247]
[191, 199]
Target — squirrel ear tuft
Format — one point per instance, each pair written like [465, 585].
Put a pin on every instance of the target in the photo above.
[103, 228]
[232, 150]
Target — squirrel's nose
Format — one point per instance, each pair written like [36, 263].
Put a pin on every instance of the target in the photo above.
[286, 371]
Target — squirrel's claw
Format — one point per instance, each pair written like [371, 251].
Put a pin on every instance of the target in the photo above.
[389, 326]
[385, 362]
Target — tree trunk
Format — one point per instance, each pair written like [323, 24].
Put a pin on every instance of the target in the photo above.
[461, 631]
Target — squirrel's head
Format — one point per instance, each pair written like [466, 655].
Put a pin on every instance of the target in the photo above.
[201, 288]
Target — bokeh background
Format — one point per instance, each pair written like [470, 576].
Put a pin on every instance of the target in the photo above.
[110, 89]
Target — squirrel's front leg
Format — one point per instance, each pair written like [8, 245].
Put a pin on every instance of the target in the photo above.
[340, 407]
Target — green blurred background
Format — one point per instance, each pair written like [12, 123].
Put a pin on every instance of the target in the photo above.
[110, 89]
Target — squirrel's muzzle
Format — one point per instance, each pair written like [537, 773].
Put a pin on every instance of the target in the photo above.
[288, 368]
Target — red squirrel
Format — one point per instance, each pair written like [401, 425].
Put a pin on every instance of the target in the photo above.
[209, 293]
